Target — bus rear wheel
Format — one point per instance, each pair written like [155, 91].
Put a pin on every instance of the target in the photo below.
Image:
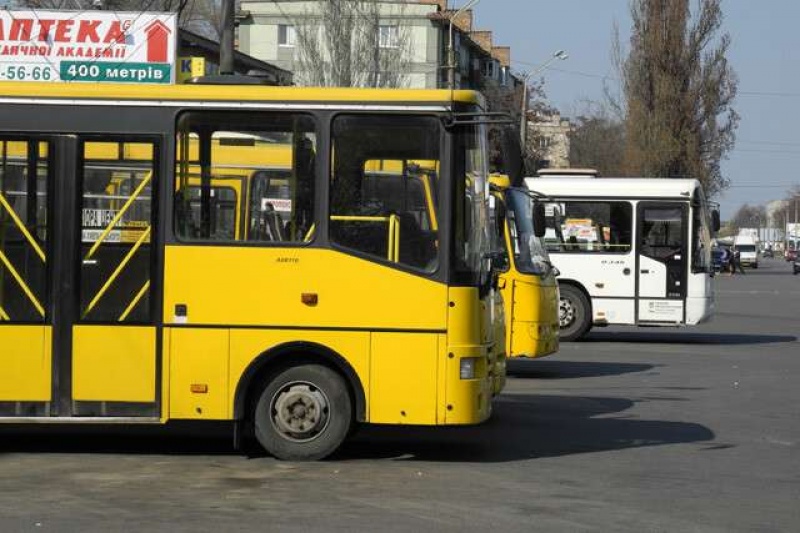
[573, 313]
[304, 413]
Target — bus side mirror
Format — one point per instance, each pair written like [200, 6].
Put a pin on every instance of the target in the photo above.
[512, 157]
[539, 219]
[715, 223]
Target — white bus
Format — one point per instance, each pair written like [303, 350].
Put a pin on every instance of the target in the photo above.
[630, 251]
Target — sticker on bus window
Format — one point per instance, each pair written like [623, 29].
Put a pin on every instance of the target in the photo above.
[281, 205]
[93, 235]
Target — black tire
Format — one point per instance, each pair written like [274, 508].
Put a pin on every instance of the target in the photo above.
[304, 413]
[574, 313]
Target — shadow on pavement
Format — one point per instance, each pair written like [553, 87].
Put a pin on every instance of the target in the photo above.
[661, 337]
[526, 427]
[174, 438]
[522, 427]
[557, 369]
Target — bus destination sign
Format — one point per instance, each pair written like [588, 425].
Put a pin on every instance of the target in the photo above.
[89, 46]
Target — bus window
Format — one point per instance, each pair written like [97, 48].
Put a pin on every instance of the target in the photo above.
[223, 211]
[662, 231]
[389, 213]
[23, 220]
[271, 154]
[701, 238]
[597, 227]
[116, 231]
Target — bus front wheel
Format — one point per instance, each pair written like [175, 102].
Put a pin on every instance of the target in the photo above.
[304, 413]
[573, 313]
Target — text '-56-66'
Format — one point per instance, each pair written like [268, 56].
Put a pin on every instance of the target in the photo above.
[26, 72]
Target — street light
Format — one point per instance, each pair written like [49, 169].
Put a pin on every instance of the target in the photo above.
[523, 126]
[451, 67]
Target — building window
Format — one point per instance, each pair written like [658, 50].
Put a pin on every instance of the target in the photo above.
[545, 143]
[286, 35]
[388, 37]
[489, 69]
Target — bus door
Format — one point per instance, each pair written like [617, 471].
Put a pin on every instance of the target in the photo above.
[25, 324]
[113, 332]
[661, 262]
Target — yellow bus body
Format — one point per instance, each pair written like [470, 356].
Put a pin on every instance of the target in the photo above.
[530, 301]
[229, 316]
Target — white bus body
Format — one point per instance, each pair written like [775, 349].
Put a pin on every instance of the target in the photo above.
[630, 251]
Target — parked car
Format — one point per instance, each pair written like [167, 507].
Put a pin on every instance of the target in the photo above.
[790, 255]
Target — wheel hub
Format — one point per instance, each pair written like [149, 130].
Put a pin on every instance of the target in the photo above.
[300, 411]
[566, 313]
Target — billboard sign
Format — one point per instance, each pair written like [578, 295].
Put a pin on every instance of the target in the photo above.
[92, 46]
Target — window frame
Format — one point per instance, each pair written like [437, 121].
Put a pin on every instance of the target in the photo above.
[388, 36]
[563, 245]
[318, 129]
[156, 244]
[287, 36]
[47, 243]
[438, 192]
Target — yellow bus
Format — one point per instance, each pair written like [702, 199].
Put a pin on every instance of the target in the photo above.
[527, 281]
[136, 285]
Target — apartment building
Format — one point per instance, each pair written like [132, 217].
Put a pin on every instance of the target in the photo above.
[408, 41]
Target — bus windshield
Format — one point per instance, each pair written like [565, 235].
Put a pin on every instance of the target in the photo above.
[473, 242]
[530, 255]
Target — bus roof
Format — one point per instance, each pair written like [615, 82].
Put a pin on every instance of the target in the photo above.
[615, 187]
[567, 172]
[33, 91]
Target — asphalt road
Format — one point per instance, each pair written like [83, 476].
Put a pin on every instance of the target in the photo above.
[632, 430]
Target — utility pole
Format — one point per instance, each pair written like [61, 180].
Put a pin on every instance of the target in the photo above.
[523, 124]
[227, 39]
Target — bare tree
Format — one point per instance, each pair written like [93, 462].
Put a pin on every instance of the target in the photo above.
[598, 140]
[749, 216]
[199, 16]
[678, 89]
[346, 43]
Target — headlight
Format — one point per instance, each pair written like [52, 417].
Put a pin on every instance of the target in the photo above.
[467, 367]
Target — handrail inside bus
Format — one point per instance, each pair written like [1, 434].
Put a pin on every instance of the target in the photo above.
[21, 283]
[393, 231]
[114, 275]
[22, 228]
[135, 301]
[119, 216]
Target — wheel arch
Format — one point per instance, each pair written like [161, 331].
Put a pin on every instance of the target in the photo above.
[290, 354]
[578, 285]
[566, 335]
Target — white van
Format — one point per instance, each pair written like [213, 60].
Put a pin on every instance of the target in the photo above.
[747, 245]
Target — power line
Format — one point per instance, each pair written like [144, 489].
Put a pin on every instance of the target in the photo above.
[776, 143]
[604, 77]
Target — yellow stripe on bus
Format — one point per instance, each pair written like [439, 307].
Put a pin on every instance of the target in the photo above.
[139, 296]
[21, 283]
[117, 272]
[3, 314]
[119, 216]
[22, 227]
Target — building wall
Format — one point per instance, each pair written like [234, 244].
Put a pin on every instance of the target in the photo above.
[258, 34]
[552, 134]
[428, 30]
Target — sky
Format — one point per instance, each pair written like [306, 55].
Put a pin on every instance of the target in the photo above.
[764, 53]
